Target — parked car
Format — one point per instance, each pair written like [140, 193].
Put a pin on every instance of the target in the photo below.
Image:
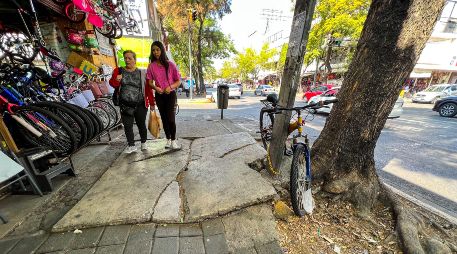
[241, 87]
[234, 91]
[331, 94]
[264, 90]
[435, 92]
[316, 91]
[446, 106]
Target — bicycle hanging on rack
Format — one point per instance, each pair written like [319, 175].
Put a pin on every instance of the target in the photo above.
[300, 174]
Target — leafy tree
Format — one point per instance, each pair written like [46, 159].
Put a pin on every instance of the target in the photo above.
[250, 63]
[341, 19]
[228, 70]
[207, 35]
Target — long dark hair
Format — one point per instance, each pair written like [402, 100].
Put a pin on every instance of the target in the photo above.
[163, 59]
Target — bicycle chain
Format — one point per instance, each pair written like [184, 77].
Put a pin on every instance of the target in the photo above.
[270, 164]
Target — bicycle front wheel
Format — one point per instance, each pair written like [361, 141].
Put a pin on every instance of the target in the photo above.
[266, 126]
[300, 179]
[55, 133]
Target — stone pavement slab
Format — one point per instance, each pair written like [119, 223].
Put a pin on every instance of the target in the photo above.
[7, 245]
[190, 230]
[167, 230]
[216, 244]
[169, 205]
[193, 127]
[254, 226]
[57, 242]
[219, 186]
[166, 245]
[191, 245]
[213, 227]
[219, 146]
[111, 249]
[88, 238]
[115, 235]
[82, 251]
[128, 191]
[28, 244]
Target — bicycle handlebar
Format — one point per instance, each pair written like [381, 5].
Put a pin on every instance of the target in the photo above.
[316, 105]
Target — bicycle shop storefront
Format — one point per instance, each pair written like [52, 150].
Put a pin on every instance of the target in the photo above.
[54, 92]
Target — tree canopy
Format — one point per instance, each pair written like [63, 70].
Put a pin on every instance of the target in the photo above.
[342, 19]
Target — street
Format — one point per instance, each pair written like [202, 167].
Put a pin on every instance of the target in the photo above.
[415, 154]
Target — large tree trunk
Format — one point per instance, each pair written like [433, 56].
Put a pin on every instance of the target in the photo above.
[392, 39]
[298, 39]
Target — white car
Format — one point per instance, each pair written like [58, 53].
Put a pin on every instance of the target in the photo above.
[433, 93]
[234, 91]
[331, 94]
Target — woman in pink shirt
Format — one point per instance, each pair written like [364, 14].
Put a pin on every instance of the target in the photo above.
[164, 78]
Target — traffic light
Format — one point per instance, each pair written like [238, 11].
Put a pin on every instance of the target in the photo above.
[194, 15]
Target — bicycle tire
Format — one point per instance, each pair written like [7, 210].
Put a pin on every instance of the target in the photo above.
[107, 29]
[87, 121]
[300, 181]
[72, 16]
[95, 122]
[102, 115]
[110, 109]
[266, 128]
[71, 118]
[118, 33]
[64, 143]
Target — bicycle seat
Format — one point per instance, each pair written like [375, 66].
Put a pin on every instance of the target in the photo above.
[273, 99]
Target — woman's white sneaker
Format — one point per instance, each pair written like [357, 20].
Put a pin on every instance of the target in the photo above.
[175, 145]
[130, 149]
[144, 147]
[168, 145]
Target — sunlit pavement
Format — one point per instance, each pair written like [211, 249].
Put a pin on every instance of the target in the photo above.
[416, 154]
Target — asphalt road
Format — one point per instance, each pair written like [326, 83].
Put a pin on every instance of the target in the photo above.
[416, 154]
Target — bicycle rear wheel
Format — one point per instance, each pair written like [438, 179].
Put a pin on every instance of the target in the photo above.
[110, 109]
[101, 114]
[300, 179]
[59, 137]
[18, 46]
[266, 126]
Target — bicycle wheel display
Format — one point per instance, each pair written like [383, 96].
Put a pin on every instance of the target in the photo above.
[18, 46]
[71, 118]
[300, 180]
[110, 109]
[55, 133]
[266, 126]
[102, 115]
[74, 14]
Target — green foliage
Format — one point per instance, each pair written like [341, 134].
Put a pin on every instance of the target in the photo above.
[228, 70]
[249, 63]
[338, 18]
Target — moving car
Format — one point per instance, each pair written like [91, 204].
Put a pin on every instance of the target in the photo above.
[447, 106]
[234, 91]
[331, 94]
[316, 91]
[264, 90]
[433, 93]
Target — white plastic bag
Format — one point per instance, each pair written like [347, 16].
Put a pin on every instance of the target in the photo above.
[308, 202]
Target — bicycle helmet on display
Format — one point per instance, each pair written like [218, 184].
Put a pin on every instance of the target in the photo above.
[75, 38]
[57, 65]
[91, 42]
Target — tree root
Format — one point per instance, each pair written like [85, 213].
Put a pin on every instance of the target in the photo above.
[409, 225]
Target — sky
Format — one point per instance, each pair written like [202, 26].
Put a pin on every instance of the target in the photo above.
[247, 27]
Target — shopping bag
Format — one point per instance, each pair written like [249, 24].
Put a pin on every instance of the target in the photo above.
[154, 124]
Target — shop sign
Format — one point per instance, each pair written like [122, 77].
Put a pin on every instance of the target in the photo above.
[88, 68]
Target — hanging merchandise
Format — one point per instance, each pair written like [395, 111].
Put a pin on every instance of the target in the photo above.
[90, 42]
[75, 38]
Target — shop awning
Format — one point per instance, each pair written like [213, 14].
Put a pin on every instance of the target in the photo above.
[420, 74]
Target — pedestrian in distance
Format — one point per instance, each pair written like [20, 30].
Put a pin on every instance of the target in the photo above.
[135, 97]
[164, 78]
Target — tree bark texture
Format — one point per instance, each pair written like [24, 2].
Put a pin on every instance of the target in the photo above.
[291, 78]
[392, 39]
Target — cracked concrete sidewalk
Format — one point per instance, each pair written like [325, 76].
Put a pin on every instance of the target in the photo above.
[215, 175]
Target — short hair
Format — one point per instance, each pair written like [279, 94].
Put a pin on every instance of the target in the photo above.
[131, 52]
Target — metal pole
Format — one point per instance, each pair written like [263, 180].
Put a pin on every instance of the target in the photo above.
[190, 60]
[222, 113]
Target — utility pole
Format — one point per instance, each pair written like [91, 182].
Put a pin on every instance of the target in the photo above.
[189, 20]
[301, 24]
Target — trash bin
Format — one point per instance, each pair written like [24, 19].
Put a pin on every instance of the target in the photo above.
[222, 96]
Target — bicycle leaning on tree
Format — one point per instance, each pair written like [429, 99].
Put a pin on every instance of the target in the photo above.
[300, 173]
